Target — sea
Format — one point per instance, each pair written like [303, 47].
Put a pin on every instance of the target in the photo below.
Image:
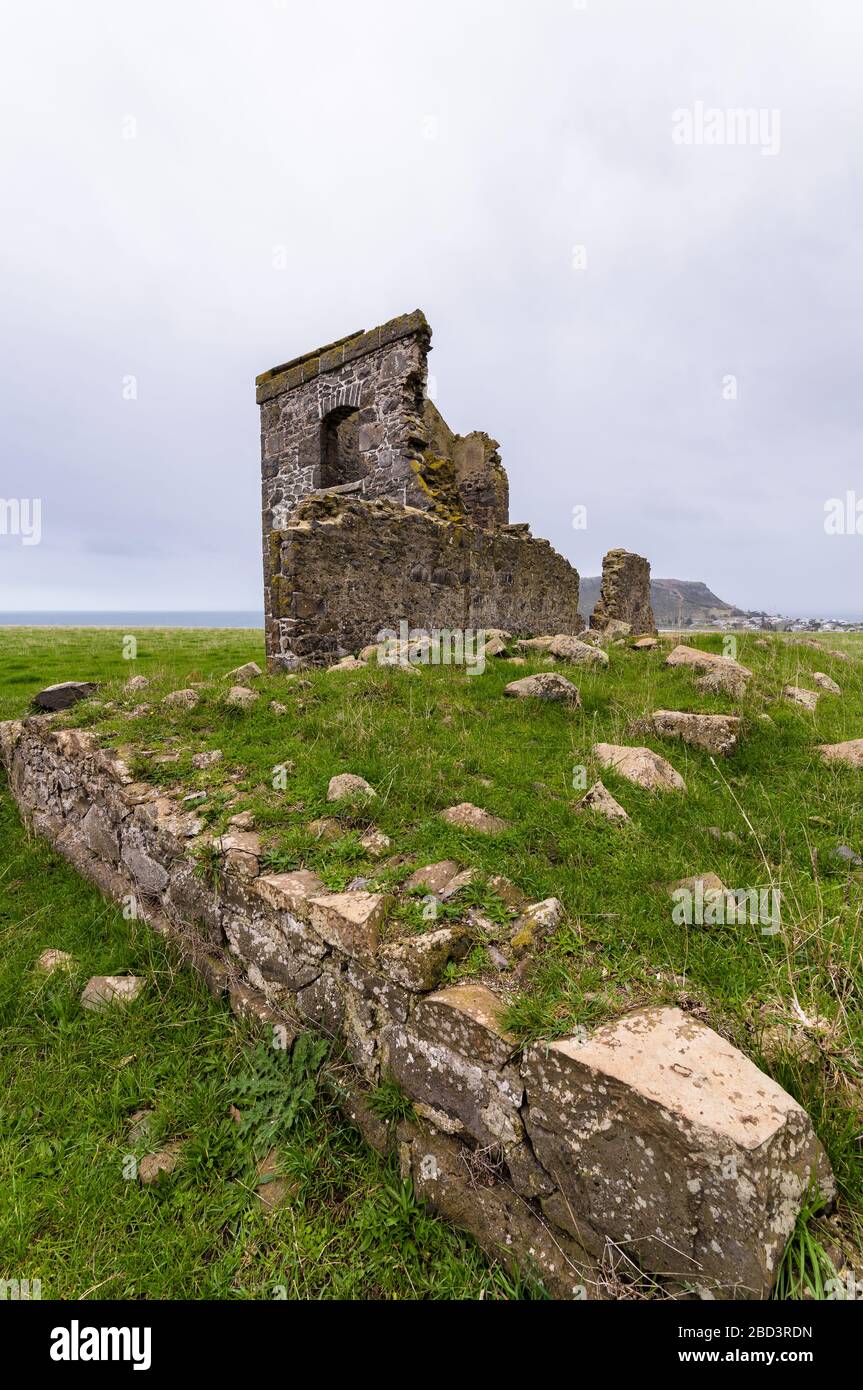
[126, 620]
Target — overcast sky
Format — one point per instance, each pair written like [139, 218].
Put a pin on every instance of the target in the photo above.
[195, 190]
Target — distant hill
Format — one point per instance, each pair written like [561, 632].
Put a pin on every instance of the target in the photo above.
[676, 602]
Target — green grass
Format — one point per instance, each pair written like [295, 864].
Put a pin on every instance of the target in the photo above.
[70, 1080]
[427, 741]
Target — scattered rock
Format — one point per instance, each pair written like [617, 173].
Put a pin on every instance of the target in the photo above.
[347, 786]
[798, 696]
[730, 836]
[272, 1188]
[850, 752]
[645, 644]
[847, 855]
[639, 765]
[154, 1167]
[722, 680]
[701, 883]
[534, 644]
[348, 663]
[244, 673]
[241, 697]
[103, 991]
[182, 699]
[705, 661]
[200, 761]
[456, 884]
[432, 877]
[468, 817]
[52, 960]
[243, 820]
[64, 695]
[598, 798]
[508, 892]
[715, 733]
[326, 828]
[375, 842]
[135, 683]
[140, 1124]
[277, 707]
[536, 924]
[576, 652]
[499, 961]
[826, 682]
[547, 685]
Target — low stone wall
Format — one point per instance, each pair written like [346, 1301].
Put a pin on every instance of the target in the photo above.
[651, 1136]
[344, 569]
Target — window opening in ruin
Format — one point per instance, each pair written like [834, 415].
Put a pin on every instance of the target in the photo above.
[341, 461]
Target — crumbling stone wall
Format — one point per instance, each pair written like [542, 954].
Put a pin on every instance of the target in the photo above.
[651, 1135]
[625, 593]
[479, 476]
[344, 569]
[353, 419]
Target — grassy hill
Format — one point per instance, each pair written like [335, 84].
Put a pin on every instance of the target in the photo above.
[773, 815]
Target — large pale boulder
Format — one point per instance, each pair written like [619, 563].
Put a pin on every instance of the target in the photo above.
[182, 699]
[576, 652]
[850, 752]
[798, 696]
[640, 765]
[247, 672]
[547, 685]
[665, 1139]
[101, 992]
[433, 878]
[469, 817]
[704, 661]
[241, 697]
[348, 786]
[825, 682]
[715, 733]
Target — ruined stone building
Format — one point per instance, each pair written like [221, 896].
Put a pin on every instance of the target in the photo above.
[375, 513]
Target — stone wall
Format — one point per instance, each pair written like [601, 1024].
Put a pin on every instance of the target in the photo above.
[354, 419]
[625, 593]
[344, 569]
[652, 1136]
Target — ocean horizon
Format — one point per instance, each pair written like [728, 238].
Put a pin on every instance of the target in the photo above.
[107, 618]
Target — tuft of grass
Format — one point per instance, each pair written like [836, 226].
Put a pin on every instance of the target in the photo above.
[806, 1268]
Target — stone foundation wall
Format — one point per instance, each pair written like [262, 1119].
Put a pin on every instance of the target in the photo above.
[651, 1135]
[625, 593]
[345, 569]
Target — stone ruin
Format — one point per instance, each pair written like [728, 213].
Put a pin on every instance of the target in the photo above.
[625, 593]
[376, 513]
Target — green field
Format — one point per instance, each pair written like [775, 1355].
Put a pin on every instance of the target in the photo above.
[69, 1081]
[772, 816]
